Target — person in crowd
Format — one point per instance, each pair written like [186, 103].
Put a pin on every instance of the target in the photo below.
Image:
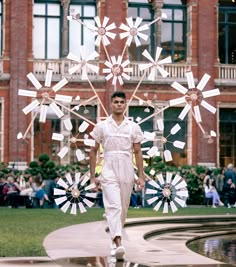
[49, 185]
[211, 191]
[3, 182]
[229, 193]
[11, 192]
[120, 138]
[27, 190]
[38, 190]
[229, 173]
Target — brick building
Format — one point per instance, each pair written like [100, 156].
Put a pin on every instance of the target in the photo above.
[199, 35]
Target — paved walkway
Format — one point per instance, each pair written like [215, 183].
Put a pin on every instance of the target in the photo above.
[148, 241]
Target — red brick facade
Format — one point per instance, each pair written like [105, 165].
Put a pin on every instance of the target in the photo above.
[18, 61]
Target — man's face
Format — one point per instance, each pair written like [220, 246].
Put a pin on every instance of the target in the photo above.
[118, 105]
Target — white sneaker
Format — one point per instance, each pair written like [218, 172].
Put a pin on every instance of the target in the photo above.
[221, 204]
[228, 206]
[234, 206]
[214, 206]
[120, 253]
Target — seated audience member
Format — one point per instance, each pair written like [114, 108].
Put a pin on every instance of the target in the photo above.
[28, 189]
[38, 190]
[3, 182]
[211, 192]
[11, 192]
[229, 193]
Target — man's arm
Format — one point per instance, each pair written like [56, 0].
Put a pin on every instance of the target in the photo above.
[93, 162]
[139, 163]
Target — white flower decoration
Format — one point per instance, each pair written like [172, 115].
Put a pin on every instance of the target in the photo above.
[155, 65]
[102, 31]
[72, 140]
[42, 97]
[193, 96]
[83, 63]
[117, 69]
[153, 151]
[133, 31]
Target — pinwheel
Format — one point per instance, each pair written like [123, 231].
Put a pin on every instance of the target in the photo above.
[194, 96]
[133, 31]
[155, 65]
[42, 97]
[75, 193]
[83, 63]
[72, 140]
[153, 151]
[102, 31]
[117, 70]
[170, 190]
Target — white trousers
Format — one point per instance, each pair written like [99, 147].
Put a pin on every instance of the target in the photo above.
[116, 199]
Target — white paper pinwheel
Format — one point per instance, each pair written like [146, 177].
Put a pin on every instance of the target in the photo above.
[117, 70]
[133, 31]
[72, 140]
[44, 98]
[152, 152]
[102, 31]
[75, 193]
[170, 190]
[83, 64]
[194, 96]
[155, 65]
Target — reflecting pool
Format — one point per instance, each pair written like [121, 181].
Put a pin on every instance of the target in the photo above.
[221, 248]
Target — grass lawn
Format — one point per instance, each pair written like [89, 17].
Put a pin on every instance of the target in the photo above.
[23, 230]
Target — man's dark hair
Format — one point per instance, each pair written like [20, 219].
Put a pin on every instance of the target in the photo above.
[118, 94]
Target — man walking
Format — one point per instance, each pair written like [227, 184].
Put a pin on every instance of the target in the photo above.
[120, 138]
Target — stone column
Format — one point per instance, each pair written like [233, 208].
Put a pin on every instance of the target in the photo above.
[18, 53]
[65, 28]
[157, 6]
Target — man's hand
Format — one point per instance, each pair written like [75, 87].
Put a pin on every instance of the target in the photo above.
[140, 184]
[94, 180]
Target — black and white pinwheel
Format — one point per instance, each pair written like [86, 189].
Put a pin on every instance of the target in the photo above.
[169, 191]
[74, 193]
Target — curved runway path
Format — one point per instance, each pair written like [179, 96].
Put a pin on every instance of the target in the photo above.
[148, 241]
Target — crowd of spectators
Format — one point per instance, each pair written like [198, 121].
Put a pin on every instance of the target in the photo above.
[29, 191]
[221, 188]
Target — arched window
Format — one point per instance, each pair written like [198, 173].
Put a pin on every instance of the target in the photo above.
[227, 32]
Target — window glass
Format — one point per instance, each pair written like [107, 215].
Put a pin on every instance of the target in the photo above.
[227, 33]
[170, 119]
[89, 11]
[53, 10]
[227, 127]
[80, 35]
[53, 38]
[39, 9]
[145, 11]
[173, 32]
[39, 38]
[46, 30]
